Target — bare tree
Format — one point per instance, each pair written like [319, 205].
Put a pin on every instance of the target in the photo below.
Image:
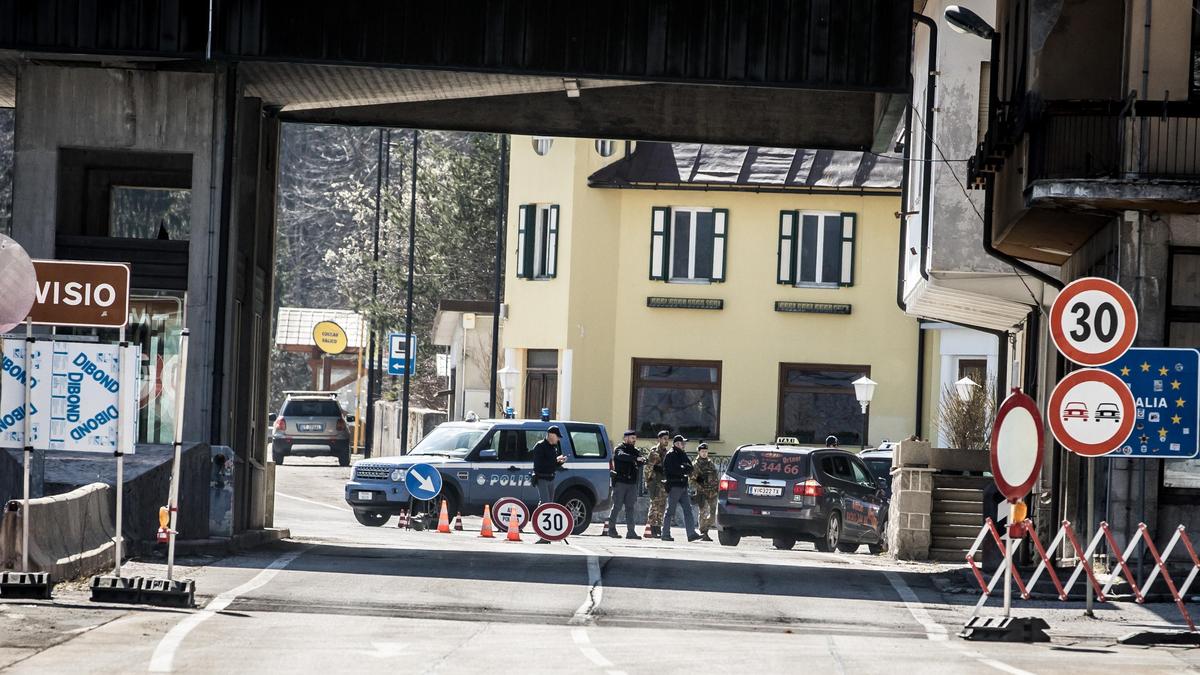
[967, 422]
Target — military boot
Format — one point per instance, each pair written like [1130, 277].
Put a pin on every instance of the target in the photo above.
[655, 531]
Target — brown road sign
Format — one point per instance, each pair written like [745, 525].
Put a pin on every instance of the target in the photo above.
[73, 293]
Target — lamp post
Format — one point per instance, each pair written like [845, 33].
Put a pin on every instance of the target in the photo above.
[965, 388]
[508, 379]
[864, 391]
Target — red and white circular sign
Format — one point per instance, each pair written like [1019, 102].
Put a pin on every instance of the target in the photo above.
[553, 521]
[1091, 412]
[503, 509]
[1093, 321]
[1016, 449]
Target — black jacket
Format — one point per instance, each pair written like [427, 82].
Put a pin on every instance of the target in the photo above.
[626, 459]
[677, 467]
[545, 459]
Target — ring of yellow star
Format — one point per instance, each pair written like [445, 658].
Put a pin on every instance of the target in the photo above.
[1145, 367]
[1162, 433]
[1176, 419]
[1179, 403]
[1175, 384]
[1163, 371]
[1124, 371]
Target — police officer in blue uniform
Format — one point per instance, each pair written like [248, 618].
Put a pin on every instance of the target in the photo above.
[627, 461]
[548, 459]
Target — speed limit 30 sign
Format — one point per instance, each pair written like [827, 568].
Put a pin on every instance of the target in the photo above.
[1093, 321]
[552, 521]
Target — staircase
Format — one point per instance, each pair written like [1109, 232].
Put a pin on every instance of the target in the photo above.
[956, 516]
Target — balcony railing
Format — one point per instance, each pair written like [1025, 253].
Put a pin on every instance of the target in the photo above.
[1130, 140]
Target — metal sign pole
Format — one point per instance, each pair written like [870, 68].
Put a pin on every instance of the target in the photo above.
[118, 538]
[1091, 520]
[1008, 559]
[173, 500]
[28, 437]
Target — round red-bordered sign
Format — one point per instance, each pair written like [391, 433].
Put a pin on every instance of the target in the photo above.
[553, 522]
[500, 513]
[1093, 321]
[1016, 449]
[1091, 412]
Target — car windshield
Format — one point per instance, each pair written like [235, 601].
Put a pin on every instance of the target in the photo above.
[312, 408]
[881, 467]
[449, 441]
[770, 464]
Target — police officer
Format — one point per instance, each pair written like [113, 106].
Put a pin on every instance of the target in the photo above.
[831, 441]
[627, 460]
[547, 460]
[654, 483]
[677, 468]
[705, 479]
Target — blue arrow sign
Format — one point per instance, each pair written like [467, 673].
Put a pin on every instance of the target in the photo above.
[423, 482]
[1165, 384]
[402, 349]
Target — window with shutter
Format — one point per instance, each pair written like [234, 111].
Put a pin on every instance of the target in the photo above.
[785, 271]
[537, 241]
[720, 237]
[688, 244]
[815, 248]
[659, 242]
[847, 250]
[524, 243]
[551, 269]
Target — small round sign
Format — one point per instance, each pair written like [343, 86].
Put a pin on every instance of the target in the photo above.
[1093, 321]
[1091, 412]
[18, 282]
[423, 482]
[329, 337]
[502, 512]
[1016, 449]
[553, 521]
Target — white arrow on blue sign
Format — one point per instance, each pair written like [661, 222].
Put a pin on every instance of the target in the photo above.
[423, 482]
[400, 360]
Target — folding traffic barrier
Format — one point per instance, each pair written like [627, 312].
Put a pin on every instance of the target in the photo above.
[1143, 534]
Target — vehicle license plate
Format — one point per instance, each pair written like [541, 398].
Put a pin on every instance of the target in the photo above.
[312, 427]
[760, 491]
[365, 496]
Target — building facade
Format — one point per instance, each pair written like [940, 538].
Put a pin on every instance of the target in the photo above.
[728, 294]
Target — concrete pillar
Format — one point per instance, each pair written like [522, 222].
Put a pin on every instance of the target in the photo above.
[909, 514]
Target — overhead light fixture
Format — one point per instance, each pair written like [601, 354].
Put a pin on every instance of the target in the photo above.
[963, 20]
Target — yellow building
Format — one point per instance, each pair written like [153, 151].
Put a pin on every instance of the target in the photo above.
[728, 294]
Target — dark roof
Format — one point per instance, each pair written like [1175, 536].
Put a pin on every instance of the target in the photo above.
[753, 167]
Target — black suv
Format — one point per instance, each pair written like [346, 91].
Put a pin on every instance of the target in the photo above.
[789, 493]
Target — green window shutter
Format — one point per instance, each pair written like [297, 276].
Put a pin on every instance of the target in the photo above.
[524, 245]
[552, 243]
[786, 267]
[720, 243]
[848, 249]
[660, 242]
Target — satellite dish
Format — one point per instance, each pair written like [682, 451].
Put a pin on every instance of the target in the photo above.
[18, 283]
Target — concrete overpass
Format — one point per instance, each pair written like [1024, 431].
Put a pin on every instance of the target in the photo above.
[188, 95]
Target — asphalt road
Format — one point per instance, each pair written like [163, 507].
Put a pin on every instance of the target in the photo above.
[342, 598]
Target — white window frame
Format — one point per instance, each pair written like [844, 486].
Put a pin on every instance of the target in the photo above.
[545, 265]
[798, 246]
[672, 276]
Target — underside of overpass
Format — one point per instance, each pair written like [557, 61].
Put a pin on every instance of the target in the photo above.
[189, 94]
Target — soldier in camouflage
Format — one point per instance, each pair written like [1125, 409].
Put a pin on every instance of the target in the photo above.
[655, 483]
[705, 480]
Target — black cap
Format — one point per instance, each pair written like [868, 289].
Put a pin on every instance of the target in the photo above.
[679, 439]
[629, 432]
[702, 446]
[554, 430]
[664, 432]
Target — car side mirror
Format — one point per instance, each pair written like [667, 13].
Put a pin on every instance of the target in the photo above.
[349, 418]
[272, 417]
[487, 453]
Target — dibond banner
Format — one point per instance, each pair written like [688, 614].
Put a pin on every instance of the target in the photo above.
[12, 394]
[81, 406]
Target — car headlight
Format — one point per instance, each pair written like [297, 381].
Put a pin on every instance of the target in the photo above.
[397, 475]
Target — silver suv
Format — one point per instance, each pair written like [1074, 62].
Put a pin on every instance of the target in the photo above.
[311, 422]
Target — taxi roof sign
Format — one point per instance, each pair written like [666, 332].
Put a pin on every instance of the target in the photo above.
[787, 440]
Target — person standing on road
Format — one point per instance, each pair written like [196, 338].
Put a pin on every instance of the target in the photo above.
[547, 461]
[654, 483]
[627, 459]
[677, 467]
[705, 479]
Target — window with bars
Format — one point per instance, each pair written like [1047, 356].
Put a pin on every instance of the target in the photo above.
[816, 248]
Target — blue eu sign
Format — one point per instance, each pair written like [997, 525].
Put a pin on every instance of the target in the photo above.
[1165, 383]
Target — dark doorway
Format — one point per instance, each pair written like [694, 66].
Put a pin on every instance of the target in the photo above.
[541, 382]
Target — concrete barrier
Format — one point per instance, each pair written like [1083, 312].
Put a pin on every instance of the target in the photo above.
[70, 535]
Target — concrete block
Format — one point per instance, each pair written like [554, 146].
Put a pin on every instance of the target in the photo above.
[26, 585]
[70, 535]
[169, 592]
[107, 588]
[911, 453]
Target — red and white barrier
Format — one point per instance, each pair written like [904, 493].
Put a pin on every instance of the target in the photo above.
[1019, 531]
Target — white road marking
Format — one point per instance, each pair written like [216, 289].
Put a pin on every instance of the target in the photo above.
[309, 501]
[385, 650]
[580, 636]
[936, 632]
[583, 615]
[164, 654]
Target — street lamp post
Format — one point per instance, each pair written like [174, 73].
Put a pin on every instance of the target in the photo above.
[864, 391]
[508, 380]
[965, 388]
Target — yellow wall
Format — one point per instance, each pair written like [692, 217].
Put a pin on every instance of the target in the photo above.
[598, 301]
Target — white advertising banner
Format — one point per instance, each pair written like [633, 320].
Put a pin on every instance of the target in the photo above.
[82, 402]
[12, 394]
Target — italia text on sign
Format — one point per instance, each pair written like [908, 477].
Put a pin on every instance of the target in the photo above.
[81, 294]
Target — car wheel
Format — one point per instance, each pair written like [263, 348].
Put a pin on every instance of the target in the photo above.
[833, 533]
[783, 543]
[881, 546]
[580, 507]
[371, 518]
[847, 547]
[728, 537]
[343, 457]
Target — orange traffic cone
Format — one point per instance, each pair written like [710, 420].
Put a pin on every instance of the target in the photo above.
[514, 526]
[458, 526]
[402, 523]
[605, 532]
[444, 520]
[486, 530]
[648, 532]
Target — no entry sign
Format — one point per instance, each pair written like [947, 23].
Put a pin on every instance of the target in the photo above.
[1093, 321]
[1091, 412]
[1016, 449]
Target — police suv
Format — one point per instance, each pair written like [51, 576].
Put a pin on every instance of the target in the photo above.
[483, 461]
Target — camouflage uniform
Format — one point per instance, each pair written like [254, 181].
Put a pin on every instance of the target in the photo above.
[655, 488]
[706, 479]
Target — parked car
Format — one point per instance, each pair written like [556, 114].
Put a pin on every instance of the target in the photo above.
[879, 463]
[310, 422]
[483, 461]
[790, 493]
